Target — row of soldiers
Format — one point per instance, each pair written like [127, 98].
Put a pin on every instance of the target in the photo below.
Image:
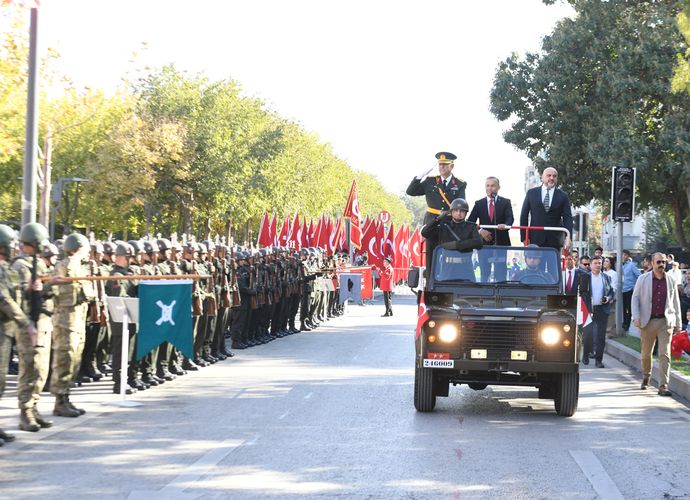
[247, 297]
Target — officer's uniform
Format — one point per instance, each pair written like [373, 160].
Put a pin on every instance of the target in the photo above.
[439, 193]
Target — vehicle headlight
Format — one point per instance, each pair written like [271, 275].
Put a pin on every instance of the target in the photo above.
[448, 333]
[550, 335]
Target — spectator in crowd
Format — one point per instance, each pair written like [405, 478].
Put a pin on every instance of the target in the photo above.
[647, 263]
[671, 260]
[515, 267]
[599, 252]
[675, 273]
[386, 285]
[656, 312]
[597, 292]
[584, 263]
[630, 275]
[610, 271]
[569, 282]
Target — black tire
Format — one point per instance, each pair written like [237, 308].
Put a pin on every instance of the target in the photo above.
[424, 396]
[475, 386]
[567, 394]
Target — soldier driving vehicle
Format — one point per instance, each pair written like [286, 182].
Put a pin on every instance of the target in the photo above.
[479, 331]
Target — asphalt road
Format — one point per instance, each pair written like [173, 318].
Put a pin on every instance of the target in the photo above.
[329, 414]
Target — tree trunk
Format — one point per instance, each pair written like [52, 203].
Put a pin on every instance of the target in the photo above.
[677, 204]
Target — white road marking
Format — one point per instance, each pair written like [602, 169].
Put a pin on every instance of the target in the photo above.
[596, 475]
[309, 395]
[202, 467]
[283, 415]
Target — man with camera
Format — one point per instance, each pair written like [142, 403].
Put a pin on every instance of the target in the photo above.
[597, 292]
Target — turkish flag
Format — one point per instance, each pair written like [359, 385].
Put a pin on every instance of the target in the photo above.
[295, 234]
[273, 231]
[265, 239]
[352, 211]
[422, 315]
[326, 230]
[305, 234]
[372, 244]
[399, 258]
[365, 226]
[416, 249]
[335, 237]
[284, 232]
[388, 245]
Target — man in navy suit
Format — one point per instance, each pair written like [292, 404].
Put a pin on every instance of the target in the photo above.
[493, 210]
[547, 206]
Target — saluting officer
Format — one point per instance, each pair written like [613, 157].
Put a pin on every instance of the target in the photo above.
[440, 190]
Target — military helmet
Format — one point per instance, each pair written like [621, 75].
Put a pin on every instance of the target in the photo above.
[263, 252]
[136, 245]
[532, 251]
[459, 204]
[109, 247]
[49, 250]
[8, 237]
[201, 248]
[97, 247]
[209, 245]
[124, 249]
[74, 242]
[151, 246]
[164, 244]
[33, 234]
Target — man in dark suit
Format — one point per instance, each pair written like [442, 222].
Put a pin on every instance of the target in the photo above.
[597, 292]
[493, 210]
[547, 206]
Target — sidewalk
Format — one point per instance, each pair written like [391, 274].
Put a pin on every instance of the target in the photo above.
[679, 384]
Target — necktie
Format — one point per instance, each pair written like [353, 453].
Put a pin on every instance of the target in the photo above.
[569, 282]
[445, 184]
[547, 201]
[491, 209]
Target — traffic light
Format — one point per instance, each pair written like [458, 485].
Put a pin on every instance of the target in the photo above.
[623, 194]
[580, 222]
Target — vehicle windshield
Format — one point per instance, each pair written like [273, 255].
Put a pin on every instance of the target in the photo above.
[529, 265]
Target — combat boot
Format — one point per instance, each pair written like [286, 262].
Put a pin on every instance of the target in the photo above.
[81, 412]
[63, 408]
[40, 420]
[27, 421]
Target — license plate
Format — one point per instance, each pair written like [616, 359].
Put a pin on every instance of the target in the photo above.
[439, 363]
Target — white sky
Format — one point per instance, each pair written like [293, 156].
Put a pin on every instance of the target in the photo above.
[387, 83]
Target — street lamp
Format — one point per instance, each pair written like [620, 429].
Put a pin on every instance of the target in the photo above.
[56, 197]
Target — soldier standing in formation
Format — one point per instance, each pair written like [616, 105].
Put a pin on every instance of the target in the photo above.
[69, 322]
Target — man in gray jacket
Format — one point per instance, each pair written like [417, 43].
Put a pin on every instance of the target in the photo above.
[656, 312]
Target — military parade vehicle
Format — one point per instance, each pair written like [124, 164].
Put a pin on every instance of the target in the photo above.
[496, 316]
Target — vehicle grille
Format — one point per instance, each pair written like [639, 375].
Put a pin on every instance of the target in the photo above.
[499, 338]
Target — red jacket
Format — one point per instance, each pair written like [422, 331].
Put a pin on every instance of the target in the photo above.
[386, 278]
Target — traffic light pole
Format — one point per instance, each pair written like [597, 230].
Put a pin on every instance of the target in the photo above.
[619, 278]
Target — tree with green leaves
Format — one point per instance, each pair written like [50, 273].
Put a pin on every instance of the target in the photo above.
[598, 95]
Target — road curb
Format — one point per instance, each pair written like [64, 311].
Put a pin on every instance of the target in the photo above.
[679, 384]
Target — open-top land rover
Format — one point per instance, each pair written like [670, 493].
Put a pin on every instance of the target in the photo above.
[511, 326]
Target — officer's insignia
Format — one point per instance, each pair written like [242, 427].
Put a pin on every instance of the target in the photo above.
[442, 157]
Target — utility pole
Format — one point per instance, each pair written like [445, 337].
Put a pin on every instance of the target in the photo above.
[31, 132]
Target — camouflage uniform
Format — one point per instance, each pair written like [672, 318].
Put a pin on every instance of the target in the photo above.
[12, 318]
[69, 323]
[34, 362]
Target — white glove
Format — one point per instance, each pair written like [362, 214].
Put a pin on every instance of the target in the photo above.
[424, 174]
